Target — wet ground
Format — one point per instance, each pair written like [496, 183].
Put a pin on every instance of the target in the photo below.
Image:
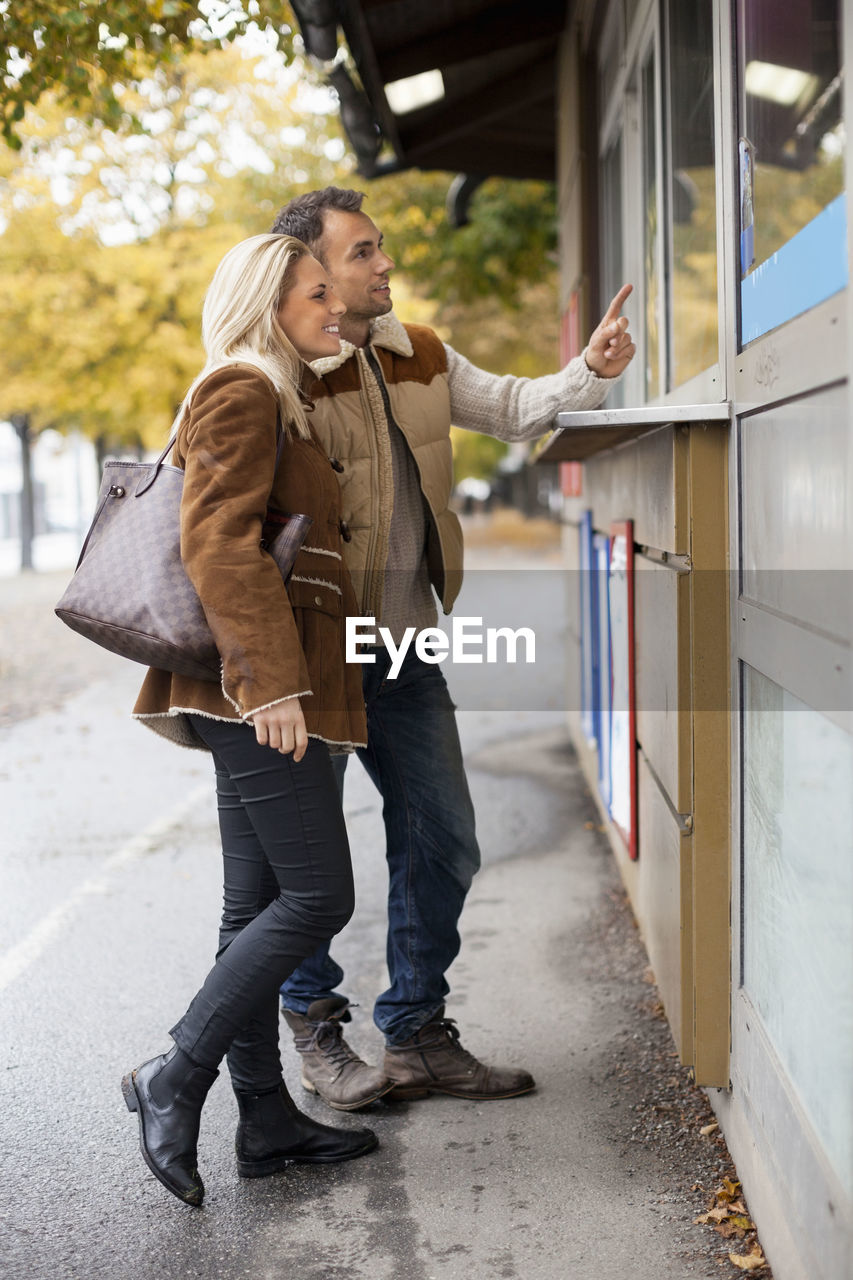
[109, 917]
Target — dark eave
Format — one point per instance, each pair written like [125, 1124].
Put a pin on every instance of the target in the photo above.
[498, 60]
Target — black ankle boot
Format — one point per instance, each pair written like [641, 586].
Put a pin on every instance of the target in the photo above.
[168, 1093]
[273, 1133]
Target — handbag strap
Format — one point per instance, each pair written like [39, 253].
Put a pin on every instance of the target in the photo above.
[153, 473]
[155, 466]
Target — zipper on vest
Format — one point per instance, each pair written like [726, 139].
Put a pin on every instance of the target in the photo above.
[433, 528]
[373, 593]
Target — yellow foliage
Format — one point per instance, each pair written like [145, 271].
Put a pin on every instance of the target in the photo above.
[109, 237]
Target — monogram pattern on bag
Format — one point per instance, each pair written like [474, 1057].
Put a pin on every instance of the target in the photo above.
[130, 593]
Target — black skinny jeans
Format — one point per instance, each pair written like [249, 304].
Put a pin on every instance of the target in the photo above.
[287, 888]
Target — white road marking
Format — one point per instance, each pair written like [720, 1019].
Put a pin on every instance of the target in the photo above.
[19, 957]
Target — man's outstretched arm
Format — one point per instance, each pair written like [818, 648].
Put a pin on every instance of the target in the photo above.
[512, 408]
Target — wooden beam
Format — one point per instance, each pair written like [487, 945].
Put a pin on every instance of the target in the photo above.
[358, 38]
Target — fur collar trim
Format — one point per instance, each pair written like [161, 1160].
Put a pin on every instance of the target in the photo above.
[386, 331]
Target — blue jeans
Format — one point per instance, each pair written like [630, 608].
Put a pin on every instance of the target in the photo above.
[414, 758]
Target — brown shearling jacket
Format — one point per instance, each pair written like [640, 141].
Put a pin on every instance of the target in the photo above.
[276, 642]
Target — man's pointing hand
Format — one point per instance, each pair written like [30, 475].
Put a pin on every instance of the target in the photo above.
[610, 349]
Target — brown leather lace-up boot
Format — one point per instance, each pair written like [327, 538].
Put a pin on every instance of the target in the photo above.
[433, 1061]
[330, 1067]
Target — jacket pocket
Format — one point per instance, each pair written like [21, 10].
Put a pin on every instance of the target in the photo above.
[314, 591]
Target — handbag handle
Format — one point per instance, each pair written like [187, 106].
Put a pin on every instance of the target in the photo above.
[117, 491]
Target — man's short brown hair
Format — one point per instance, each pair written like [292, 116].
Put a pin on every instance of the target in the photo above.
[304, 215]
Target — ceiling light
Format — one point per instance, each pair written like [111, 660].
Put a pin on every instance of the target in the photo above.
[785, 85]
[414, 91]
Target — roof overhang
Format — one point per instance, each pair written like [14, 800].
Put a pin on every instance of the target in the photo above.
[497, 59]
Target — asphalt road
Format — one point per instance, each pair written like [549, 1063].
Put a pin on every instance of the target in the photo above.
[109, 917]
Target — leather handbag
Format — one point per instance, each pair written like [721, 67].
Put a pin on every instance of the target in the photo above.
[130, 592]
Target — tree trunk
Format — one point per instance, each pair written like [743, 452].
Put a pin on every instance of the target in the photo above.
[100, 443]
[21, 423]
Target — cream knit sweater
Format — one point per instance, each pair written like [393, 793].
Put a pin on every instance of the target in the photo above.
[512, 408]
[508, 408]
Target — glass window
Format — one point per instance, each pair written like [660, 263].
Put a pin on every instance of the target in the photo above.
[612, 269]
[651, 222]
[798, 900]
[609, 59]
[793, 223]
[659, 196]
[692, 190]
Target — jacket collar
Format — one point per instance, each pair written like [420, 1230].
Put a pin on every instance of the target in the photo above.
[385, 331]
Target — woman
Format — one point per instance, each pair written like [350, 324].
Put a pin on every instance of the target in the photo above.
[287, 699]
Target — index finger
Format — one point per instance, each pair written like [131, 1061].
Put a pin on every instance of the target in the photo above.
[618, 302]
[300, 739]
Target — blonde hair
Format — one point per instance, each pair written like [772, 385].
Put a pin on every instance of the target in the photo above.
[239, 323]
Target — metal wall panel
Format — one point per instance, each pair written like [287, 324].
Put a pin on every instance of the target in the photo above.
[798, 902]
[573, 691]
[796, 511]
[571, 554]
[571, 565]
[807, 352]
[661, 603]
[658, 893]
[640, 481]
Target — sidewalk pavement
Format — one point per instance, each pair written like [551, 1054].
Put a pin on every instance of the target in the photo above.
[598, 1173]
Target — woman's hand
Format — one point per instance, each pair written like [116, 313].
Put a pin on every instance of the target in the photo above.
[282, 727]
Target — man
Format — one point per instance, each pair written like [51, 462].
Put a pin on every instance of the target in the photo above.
[383, 412]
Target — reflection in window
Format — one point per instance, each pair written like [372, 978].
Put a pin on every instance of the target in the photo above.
[609, 58]
[692, 190]
[652, 230]
[612, 277]
[792, 119]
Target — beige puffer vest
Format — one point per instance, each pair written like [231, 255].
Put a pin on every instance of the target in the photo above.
[350, 422]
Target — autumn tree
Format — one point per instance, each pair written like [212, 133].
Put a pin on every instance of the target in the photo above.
[112, 236]
[114, 221]
[80, 50]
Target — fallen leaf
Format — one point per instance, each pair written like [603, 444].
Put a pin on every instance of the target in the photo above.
[751, 1261]
[708, 1129]
[741, 1221]
[728, 1191]
[718, 1214]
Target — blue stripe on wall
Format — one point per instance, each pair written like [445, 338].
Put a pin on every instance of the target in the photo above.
[809, 268]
